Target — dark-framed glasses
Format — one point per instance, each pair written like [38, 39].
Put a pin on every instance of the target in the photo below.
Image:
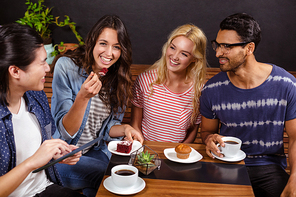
[226, 47]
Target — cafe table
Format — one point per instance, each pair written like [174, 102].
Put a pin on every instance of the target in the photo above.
[206, 177]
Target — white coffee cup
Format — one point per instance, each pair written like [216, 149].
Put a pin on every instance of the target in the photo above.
[232, 146]
[124, 175]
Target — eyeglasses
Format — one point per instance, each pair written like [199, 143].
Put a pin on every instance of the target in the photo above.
[226, 47]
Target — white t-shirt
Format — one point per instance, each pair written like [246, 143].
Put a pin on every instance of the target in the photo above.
[166, 115]
[27, 136]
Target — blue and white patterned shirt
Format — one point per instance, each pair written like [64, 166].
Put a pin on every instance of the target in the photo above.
[38, 105]
[256, 116]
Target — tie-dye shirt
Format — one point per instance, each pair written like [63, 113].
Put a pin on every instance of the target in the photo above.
[256, 116]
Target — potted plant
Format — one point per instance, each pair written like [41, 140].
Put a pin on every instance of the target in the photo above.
[145, 159]
[63, 47]
[39, 16]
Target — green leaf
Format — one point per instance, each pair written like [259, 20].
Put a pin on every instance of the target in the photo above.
[38, 16]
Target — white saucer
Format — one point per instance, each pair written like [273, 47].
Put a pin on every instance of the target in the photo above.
[112, 147]
[139, 186]
[171, 154]
[239, 156]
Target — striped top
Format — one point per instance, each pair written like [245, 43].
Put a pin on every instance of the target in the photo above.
[166, 115]
[97, 114]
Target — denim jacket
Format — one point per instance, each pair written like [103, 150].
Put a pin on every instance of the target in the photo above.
[67, 81]
[38, 105]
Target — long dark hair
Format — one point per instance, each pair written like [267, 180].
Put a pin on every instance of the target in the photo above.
[18, 45]
[116, 84]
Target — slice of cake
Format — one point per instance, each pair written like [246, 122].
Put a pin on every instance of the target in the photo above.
[103, 72]
[124, 146]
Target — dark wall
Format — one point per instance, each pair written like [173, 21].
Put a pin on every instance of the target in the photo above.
[150, 21]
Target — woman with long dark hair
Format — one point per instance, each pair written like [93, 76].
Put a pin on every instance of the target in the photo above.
[86, 105]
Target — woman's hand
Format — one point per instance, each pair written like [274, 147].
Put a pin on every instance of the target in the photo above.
[73, 118]
[128, 131]
[132, 134]
[91, 86]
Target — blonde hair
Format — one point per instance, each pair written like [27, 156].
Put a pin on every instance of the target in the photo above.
[196, 71]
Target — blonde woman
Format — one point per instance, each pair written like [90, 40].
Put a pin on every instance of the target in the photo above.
[166, 97]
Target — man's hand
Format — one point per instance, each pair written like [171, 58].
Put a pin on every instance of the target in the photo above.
[290, 189]
[209, 130]
[211, 146]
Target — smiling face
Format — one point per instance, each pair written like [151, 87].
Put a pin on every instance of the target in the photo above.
[33, 78]
[179, 54]
[236, 57]
[107, 50]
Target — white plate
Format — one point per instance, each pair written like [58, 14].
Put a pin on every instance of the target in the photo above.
[139, 186]
[171, 154]
[112, 147]
[239, 156]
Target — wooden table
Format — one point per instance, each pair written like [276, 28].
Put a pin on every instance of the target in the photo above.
[164, 187]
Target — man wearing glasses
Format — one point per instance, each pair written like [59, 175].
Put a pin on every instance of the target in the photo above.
[253, 101]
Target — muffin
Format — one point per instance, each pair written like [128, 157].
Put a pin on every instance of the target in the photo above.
[183, 151]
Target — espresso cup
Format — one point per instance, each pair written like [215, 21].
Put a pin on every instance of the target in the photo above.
[232, 146]
[124, 175]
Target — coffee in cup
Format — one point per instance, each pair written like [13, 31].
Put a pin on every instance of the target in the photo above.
[124, 175]
[125, 172]
[232, 146]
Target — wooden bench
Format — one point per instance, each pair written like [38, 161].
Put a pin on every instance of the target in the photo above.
[136, 69]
